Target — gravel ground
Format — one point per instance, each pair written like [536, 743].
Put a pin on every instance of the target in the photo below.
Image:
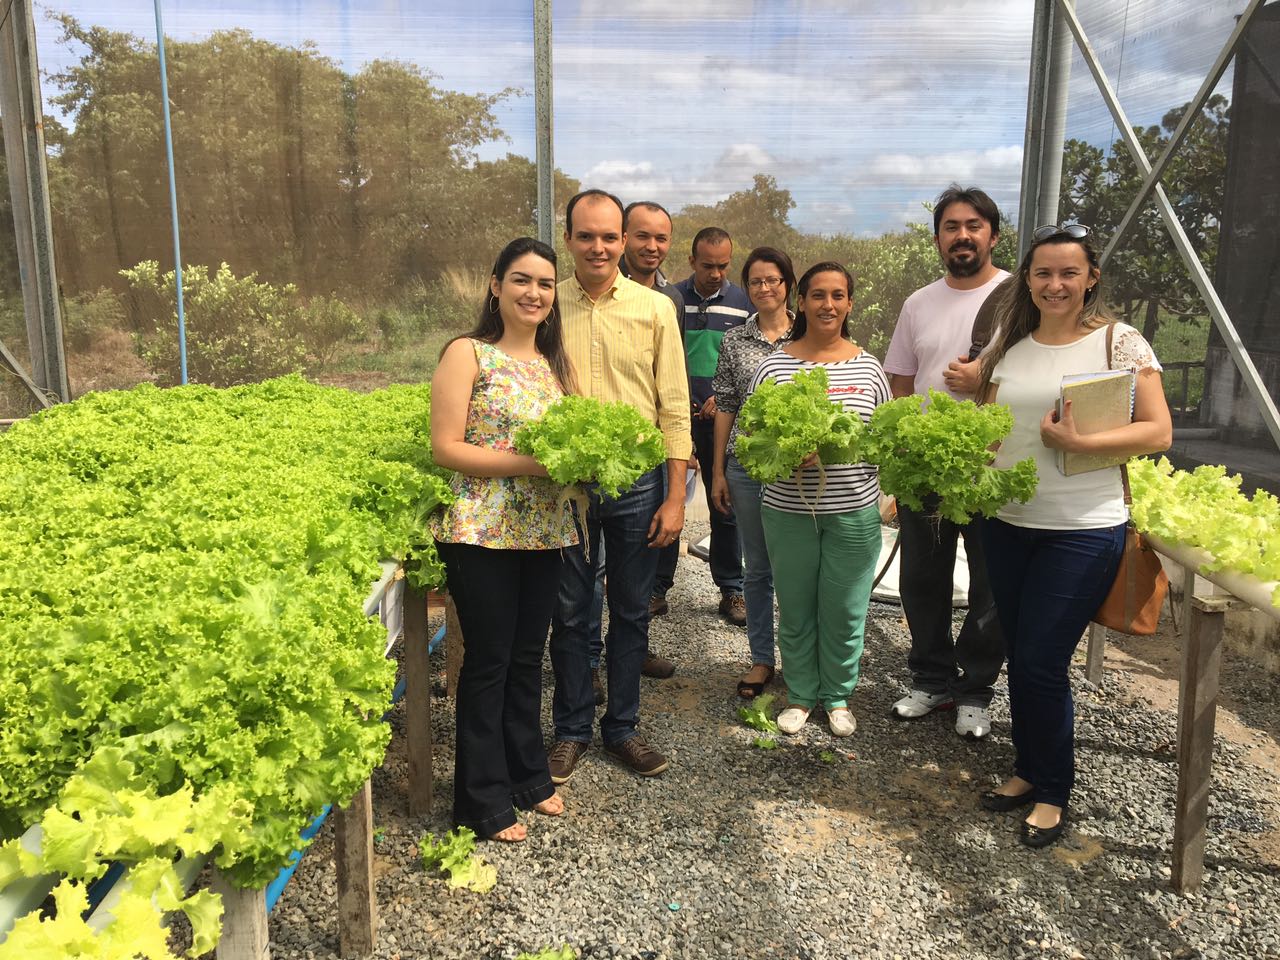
[879, 851]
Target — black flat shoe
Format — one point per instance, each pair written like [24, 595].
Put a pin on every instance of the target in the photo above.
[1003, 802]
[749, 691]
[1037, 837]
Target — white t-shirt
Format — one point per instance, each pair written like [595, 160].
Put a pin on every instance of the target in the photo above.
[934, 328]
[1030, 376]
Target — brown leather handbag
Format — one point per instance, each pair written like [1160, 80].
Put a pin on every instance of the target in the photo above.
[1133, 605]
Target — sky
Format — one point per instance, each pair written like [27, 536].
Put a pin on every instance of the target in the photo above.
[863, 109]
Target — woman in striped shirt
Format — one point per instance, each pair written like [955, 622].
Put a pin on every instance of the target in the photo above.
[821, 524]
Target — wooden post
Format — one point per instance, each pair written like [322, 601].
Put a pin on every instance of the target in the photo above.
[353, 860]
[244, 922]
[1097, 650]
[417, 701]
[1197, 710]
[453, 648]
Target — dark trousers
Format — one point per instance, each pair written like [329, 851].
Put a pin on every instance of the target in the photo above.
[623, 525]
[505, 599]
[726, 551]
[1048, 584]
[966, 668]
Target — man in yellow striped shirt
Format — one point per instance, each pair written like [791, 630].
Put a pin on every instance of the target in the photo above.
[625, 344]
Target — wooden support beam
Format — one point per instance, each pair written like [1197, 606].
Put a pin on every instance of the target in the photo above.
[1097, 650]
[353, 860]
[453, 649]
[244, 922]
[1197, 710]
[417, 701]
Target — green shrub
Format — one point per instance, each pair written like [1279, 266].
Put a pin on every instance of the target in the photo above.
[86, 316]
[326, 323]
[239, 330]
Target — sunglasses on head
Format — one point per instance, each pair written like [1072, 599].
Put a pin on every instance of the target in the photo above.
[1076, 231]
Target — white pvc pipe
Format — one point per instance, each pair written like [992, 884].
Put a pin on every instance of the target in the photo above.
[1248, 588]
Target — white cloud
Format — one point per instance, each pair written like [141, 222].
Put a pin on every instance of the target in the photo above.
[995, 165]
[677, 187]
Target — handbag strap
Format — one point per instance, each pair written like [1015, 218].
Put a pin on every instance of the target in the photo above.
[1124, 467]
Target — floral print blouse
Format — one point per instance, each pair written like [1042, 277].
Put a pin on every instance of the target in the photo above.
[511, 513]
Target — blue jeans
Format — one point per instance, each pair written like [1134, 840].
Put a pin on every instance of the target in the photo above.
[631, 564]
[726, 553]
[1047, 585]
[757, 580]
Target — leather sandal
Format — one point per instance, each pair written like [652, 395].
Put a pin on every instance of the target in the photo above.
[749, 691]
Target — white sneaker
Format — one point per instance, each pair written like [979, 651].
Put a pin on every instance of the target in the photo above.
[792, 720]
[917, 704]
[842, 722]
[973, 723]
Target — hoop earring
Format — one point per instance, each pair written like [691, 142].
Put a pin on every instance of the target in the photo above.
[493, 303]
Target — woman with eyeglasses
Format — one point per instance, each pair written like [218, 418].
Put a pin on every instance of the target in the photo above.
[1053, 559]
[768, 278]
[822, 524]
[501, 540]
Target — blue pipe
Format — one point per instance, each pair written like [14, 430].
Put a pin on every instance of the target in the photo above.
[173, 193]
[99, 888]
[398, 693]
[276, 887]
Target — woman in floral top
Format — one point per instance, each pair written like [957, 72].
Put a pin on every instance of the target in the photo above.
[768, 278]
[501, 540]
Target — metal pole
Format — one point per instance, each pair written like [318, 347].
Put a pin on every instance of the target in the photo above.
[173, 194]
[1248, 372]
[543, 91]
[1037, 85]
[29, 187]
[1193, 110]
[1046, 122]
[1055, 122]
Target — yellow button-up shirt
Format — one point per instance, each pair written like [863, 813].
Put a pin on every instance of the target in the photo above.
[626, 345]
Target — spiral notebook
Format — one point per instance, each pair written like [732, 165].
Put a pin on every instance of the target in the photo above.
[1099, 401]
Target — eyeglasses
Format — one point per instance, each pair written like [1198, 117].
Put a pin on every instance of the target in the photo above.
[1076, 231]
[759, 283]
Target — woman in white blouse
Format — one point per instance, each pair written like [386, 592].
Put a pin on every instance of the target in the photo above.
[1053, 559]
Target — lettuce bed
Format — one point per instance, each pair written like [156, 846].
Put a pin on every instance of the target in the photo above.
[181, 581]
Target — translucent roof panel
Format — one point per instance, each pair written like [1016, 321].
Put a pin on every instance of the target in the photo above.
[861, 112]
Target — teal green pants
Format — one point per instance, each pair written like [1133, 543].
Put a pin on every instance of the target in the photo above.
[822, 572]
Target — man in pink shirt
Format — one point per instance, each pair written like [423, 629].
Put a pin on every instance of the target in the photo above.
[929, 350]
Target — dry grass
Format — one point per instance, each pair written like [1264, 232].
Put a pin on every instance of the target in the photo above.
[468, 284]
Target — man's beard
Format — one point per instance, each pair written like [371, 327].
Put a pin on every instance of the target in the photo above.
[641, 271]
[964, 268]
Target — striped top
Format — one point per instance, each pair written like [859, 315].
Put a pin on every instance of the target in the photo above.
[859, 386]
[706, 321]
[626, 346]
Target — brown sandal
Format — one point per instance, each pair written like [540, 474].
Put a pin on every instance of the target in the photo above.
[749, 690]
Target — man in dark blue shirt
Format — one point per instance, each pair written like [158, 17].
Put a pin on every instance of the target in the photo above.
[713, 305]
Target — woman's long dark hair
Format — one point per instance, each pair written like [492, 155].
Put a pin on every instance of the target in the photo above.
[801, 325]
[1017, 315]
[549, 340]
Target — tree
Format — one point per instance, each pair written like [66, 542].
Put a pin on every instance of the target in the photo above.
[1145, 271]
[757, 216]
